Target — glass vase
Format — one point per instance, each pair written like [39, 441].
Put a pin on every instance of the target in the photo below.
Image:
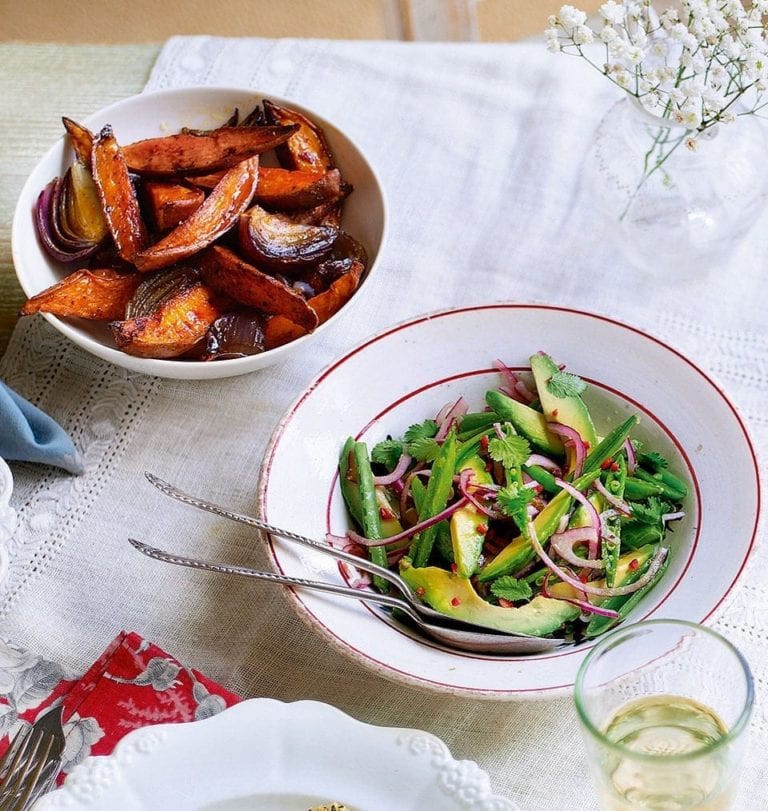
[677, 201]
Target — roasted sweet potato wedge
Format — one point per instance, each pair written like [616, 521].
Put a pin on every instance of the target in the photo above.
[280, 330]
[179, 322]
[289, 189]
[306, 148]
[216, 215]
[171, 203]
[98, 295]
[223, 270]
[191, 154]
[82, 140]
[276, 242]
[117, 195]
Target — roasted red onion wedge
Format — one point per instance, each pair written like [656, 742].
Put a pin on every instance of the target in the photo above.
[275, 242]
[235, 335]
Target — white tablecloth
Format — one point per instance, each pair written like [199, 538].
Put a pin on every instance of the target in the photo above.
[479, 148]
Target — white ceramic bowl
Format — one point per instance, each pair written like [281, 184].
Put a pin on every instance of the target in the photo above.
[413, 369]
[154, 114]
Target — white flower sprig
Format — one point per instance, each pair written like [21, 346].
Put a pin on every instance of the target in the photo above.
[690, 65]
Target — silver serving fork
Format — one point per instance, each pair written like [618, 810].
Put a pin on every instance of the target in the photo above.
[32, 762]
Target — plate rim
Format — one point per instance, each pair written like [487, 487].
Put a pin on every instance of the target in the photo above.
[393, 673]
[98, 772]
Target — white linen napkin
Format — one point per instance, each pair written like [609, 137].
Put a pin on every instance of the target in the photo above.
[479, 149]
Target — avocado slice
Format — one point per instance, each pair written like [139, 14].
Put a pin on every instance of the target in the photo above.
[530, 423]
[454, 596]
[466, 535]
[569, 410]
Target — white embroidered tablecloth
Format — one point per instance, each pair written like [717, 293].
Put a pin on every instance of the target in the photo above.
[479, 148]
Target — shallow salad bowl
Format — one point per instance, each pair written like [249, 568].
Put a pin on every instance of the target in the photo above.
[413, 369]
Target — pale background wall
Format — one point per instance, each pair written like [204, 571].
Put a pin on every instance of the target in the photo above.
[105, 21]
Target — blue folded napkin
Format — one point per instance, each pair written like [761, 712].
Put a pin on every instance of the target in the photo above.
[27, 434]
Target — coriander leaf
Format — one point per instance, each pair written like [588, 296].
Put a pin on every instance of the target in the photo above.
[387, 453]
[424, 430]
[655, 461]
[424, 449]
[564, 384]
[513, 501]
[648, 512]
[512, 589]
[512, 451]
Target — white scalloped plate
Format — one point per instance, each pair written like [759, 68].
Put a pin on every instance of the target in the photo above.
[267, 755]
[7, 517]
[406, 373]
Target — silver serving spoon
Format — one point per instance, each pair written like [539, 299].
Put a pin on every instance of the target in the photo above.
[424, 611]
[475, 641]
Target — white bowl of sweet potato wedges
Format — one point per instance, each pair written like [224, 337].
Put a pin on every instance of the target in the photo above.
[197, 233]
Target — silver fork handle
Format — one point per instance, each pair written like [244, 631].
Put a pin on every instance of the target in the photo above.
[271, 577]
[361, 563]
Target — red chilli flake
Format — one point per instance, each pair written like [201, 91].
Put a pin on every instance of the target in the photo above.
[455, 601]
[454, 568]
[554, 413]
[633, 564]
[386, 514]
[584, 578]
[482, 529]
[614, 468]
[607, 464]
[484, 443]
[506, 603]
[421, 591]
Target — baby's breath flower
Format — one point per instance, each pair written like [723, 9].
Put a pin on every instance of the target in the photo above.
[613, 12]
[553, 39]
[635, 55]
[582, 35]
[569, 17]
[692, 144]
[608, 34]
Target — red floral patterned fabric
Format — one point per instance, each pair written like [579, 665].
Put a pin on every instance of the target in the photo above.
[132, 684]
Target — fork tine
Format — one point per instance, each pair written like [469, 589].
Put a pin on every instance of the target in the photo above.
[24, 770]
[12, 753]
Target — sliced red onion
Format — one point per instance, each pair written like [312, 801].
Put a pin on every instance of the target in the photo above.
[464, 485]
[458, 409]
[594, 518]
[629, 449]
[672, 516]
[575, 583]
[584, 605]
[407, 533]
[540, 460]
[563, 543]
[400, 468]
[513, 386]
[615, 501]
[572, 439]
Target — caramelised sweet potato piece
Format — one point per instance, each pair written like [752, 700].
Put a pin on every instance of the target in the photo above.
[216, 215]
[82, 139]
[276, 242]
[117, 195]
[280, 330]
[98, 295]
[179, 322]
[289, 189]
[307, 147]
[191, 154]
[227, 272]
[171, 203]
